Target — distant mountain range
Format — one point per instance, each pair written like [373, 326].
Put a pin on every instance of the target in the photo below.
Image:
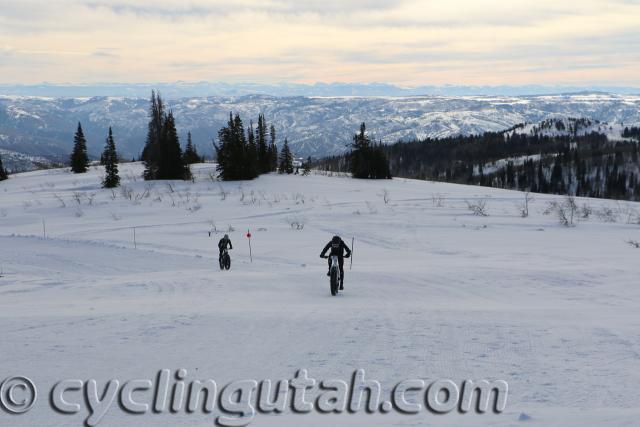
[316, 126]
[177, 90]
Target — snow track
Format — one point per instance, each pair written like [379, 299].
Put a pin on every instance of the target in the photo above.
[435, 292]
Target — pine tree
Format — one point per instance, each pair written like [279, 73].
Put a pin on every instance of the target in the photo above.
[79, 158]
[379, 163]
[150, 153]
[190, 155]
[252, 158]
[273, 150]
[286, 159]
[233, 152]
[360, 154]
[162, 154]
[264, 162]
[170, 162]
[110, 156]
[369, 160]
[3, 171]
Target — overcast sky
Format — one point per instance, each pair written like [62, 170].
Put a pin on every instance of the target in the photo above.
[474, 42]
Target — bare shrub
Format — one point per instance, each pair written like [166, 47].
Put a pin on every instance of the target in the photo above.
[585, 211]
[60, 200]
[223, 194]
[565, 210]
[386, 196]
[212, 228]
[634, 243]
[77, 196]
[126, 192]
[478, 207]
[606, 214]
[524, 207]
[438, 200]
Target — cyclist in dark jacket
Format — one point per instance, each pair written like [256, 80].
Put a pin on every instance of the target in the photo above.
[337, 247]
[222, 245]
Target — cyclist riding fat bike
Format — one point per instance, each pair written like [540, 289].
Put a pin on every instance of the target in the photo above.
[338, 248]
[222, 245]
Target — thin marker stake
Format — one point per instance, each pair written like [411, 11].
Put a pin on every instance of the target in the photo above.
[353, 239]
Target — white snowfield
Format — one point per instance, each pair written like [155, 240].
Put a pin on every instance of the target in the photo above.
[435, 293]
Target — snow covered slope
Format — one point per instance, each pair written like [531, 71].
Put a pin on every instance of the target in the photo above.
[314, 125]
[435, 292]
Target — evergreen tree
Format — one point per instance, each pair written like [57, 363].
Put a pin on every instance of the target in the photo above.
[190, 155]
[236, 157]
[360, 154]
[79, 158]
[110, 156]
[264, 162]
[150, 153]
[170, 162]
[252, 156]
[273, 150]
[557, 181]
[379, 163]
[162, 154]
[369, 160]
[286, 159]
[3, 171]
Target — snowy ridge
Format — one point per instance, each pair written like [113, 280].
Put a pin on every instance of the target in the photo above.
[315, 126]
[570, 126]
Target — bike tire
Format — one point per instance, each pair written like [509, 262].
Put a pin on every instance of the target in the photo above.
[227, 262]
[334, 282]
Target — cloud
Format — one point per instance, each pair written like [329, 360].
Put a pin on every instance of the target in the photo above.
[409, 42]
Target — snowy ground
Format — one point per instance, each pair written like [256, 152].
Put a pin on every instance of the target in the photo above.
[435, 293]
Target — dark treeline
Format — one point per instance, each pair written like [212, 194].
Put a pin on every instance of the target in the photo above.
[3, 171]
[366, 160]
[247, 154]
[584, 165]
[631, 132]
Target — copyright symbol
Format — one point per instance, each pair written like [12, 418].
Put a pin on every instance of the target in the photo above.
[17, 395]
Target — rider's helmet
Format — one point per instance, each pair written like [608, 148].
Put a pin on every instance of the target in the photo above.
[226, 236]
[335, 239]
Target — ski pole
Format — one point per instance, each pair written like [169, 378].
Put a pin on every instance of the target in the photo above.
[249, 237]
